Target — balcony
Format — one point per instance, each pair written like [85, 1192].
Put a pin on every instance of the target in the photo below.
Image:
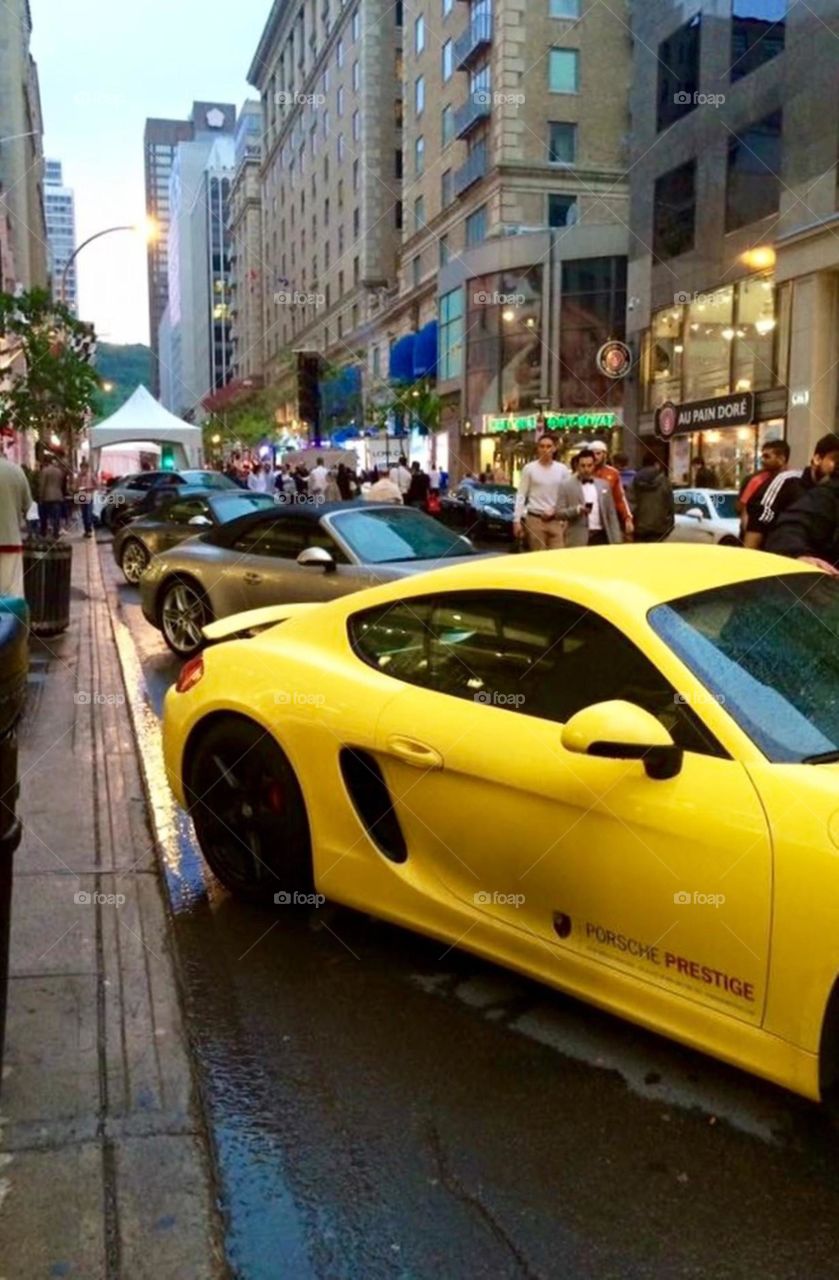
[476, 39]
[471, 172]
[474, 110]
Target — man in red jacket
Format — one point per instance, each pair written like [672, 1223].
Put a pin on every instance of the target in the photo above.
[604, 472]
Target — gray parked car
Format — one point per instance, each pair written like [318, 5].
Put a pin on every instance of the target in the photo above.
[119, 502]
[303, 552]
[178, 512]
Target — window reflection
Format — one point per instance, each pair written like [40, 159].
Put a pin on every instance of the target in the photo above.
[709, 335]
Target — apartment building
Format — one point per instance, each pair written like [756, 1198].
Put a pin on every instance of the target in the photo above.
[22, 159]
[60, 209]
[329, 81]
[246, 269]
[734, 262]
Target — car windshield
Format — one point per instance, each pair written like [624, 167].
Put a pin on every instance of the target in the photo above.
[488, 497]
[209, 479]
[229, 506]
[769, 652]
[388, 536]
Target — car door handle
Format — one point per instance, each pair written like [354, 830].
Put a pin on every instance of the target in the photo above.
[252, 578]
[416, 753]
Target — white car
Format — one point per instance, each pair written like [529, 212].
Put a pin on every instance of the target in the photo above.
[706, 515]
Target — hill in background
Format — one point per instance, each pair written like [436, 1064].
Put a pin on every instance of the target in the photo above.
[125, 367]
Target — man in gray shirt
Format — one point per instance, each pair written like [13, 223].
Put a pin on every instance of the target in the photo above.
[538, 513]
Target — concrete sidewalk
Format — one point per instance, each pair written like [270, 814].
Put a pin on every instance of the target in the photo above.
[104, 1166]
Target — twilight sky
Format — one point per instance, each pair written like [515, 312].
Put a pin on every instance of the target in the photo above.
[104, 66]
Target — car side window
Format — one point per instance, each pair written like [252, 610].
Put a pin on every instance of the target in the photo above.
[284, 539]
[529, 654]
[186, 510]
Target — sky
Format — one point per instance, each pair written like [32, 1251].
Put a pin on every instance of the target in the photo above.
[104, 66]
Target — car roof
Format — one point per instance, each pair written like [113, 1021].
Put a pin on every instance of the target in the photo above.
[313, 511]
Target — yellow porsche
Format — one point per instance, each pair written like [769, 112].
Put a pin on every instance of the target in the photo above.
[614, 769]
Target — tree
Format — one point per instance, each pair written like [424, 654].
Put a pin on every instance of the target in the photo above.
[415, 405]
[53, 388]
[242, 417]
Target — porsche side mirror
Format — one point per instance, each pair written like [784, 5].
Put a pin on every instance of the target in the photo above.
[317, 558]
[621, 730]
[203, 521]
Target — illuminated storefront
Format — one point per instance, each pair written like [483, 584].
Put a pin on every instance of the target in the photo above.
[506, 441]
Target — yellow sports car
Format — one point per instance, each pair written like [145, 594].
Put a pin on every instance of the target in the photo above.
[613, 769]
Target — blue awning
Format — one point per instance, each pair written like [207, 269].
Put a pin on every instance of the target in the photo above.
[425, 351]
[402, 359]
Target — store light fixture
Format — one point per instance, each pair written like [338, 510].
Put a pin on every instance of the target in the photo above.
[678, 348]
[765, 324]
[760, 258]
[728, 334]
[508, 315]
[744, 384]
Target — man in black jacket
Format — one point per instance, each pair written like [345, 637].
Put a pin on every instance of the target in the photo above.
[784, 488]
[809, 529]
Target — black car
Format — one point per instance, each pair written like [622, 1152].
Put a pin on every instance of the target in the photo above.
[174, 513]
[480, 510]
[135, 494]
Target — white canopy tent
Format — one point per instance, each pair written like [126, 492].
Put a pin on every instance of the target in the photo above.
[142, 420]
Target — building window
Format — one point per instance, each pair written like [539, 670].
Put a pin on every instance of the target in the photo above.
[341, 240]
[356, 222]
[564, 71]
[757, 34]
[326, 212]
[356, 126]
[356, 76]
[419, 34]
[476, 226]
[451, 334]
[397, 215]
[754, 173]
[562, 210]
[397, 164]
[419, 156]
[415, 271]
[326, 124]
[419, 213]
[340, 147]
[562, 143]
[339, 100]
[673, 211]
[419, 95]
[564, 8]
[339, 53]
[355, 173]
[447, 124]
[446, 188]
[592, 310]
[448, 5]
[444, 250]
[356, 24]
[678, 72]
[356, 270]
[447, 54]
[377, 362]
[710, 333]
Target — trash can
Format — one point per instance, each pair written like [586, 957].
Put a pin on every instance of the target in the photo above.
[14, 667]
[47, 567]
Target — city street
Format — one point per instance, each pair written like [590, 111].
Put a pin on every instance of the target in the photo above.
[382, 1107]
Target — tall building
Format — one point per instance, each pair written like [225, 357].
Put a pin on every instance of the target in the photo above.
[160, 143]
[246, 283]
[21, 152]
[328, 76]
[60, 208]
[734, 261]
[194, 338]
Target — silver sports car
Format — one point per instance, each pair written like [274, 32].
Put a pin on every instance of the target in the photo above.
[303, 552]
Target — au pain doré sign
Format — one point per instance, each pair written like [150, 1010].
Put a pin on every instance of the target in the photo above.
[594, 421]
[722, 411]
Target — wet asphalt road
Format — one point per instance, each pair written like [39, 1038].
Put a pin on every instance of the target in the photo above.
[381, 1108]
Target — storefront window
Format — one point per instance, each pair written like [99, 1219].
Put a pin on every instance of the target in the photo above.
[483, 346]
[754, 339]
[451, 334]
[708, 338]
[593, 310]
[521, 339]
[664, 356]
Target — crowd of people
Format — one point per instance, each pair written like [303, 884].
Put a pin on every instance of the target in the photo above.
[289, 482]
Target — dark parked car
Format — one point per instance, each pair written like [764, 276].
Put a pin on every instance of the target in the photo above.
[480, 510]
[126, 498]
[177, 512]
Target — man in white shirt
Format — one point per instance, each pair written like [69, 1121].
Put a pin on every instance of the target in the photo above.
[537, 511]
[434, 480]
[401, 476]
[259, 480]
[318, 480]
[15, 500]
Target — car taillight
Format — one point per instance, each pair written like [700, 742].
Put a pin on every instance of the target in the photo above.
[191, 673]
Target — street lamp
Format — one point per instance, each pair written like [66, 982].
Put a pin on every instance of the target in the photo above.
[150, 231]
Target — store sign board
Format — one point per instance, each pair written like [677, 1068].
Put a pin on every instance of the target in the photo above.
[799, 398]
[494, 423]
[721, 411]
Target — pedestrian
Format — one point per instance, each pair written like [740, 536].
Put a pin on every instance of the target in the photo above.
[401, 476]
[259, 479]
[598, 499]
[384, 489]
[434, 480]
[317, 481]
[344, 481]
[535, 512]
[625, 471]
[809, 529]
[15, 501]
[331, 493]
[760, 494]
[85, 488]
[51, 486]
[704, 477]
[419, 488]
[784, 488]
[604, 471]
[651, 500]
